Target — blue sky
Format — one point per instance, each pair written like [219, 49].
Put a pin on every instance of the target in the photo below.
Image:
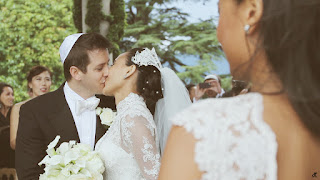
[199, 10]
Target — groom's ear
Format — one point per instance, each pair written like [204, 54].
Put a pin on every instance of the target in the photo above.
[76, 73]
[131, 70]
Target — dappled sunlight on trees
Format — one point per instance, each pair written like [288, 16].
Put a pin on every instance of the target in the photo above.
[31, 33]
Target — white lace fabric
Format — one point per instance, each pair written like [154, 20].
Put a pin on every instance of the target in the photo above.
[129, 148]
[233, 141]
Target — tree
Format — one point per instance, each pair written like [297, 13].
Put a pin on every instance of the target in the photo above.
[152, 24]
[31, 33]
[106, 17]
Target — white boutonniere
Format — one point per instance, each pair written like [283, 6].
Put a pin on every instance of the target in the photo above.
[106, 115]
[71, 160]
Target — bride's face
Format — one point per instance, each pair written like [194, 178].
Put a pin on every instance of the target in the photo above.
[117, 72]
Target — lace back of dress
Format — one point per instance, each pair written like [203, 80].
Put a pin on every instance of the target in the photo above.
[233, 140]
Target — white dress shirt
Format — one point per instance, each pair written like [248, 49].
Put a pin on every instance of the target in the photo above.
[86, 121]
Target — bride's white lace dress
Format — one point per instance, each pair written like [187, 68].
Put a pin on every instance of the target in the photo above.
[234, 142]
[129, 148]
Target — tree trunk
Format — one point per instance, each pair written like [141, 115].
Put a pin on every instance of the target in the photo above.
[104, 25]
[84, 13]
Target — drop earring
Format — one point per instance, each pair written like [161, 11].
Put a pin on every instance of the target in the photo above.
[246, 28]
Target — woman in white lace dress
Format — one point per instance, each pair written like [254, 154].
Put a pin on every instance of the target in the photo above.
[131, 147]
[273, 132]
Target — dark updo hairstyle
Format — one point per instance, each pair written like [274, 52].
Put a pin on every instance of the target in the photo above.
[2, 86]
[290, 36]
[148, 82]
[35, 71]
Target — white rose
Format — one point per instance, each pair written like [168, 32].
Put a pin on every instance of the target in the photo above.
[98, 110]
[96, 165]
[107, 116]
[51, 151]
[63, 148]
[54, 142]
[45, 160]
[73, 160]
[78, 177]
[52, 171]
[55, 160]
[71, 155]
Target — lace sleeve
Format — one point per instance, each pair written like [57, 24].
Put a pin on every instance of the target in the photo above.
[138, 138]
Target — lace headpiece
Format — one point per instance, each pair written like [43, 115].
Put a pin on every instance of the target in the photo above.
[147, 58]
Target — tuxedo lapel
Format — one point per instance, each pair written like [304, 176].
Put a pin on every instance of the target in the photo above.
[61, 118]
[100, 130]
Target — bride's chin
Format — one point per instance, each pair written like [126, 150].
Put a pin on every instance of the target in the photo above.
[106, 92]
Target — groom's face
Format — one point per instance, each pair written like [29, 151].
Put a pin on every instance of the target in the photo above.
[115, 79]
[97, 71]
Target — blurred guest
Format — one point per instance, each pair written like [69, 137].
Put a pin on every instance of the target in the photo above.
[211, 88]
[6, 102]
[39, 82]
[192, 91]
[238, 88]
[30, 92]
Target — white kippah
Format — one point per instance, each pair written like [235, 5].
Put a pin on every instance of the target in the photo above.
[211, 76]
[67, 45]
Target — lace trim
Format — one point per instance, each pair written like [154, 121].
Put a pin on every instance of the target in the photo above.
[233, 140]
[149, 156]
[131, 100]
[126, 133]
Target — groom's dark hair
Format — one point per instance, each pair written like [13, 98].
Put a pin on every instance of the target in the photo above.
[78, 55]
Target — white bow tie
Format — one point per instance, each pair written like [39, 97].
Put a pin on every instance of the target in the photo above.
[89, 104]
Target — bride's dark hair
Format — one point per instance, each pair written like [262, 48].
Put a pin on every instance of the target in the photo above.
[290, 35]
[148, 81]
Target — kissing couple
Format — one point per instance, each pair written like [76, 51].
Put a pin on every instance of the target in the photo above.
[146, 95]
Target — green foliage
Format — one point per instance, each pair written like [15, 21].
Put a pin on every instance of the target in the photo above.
[95, 15]
[195, 74]
[31, 33]
[226, 82]
[117, 24]
[77, 15]
[168, 30]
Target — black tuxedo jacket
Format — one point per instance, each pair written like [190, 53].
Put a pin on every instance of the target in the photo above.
[41, 120]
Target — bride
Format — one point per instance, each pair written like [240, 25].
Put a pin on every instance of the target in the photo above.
[146, 96]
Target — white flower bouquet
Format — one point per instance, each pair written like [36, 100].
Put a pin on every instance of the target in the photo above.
[71, 161]
[106, 115]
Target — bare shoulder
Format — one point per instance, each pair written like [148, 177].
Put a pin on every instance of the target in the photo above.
[18, 105]
[178, 159]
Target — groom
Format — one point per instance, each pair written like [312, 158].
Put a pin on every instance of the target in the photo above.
[68, 111]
